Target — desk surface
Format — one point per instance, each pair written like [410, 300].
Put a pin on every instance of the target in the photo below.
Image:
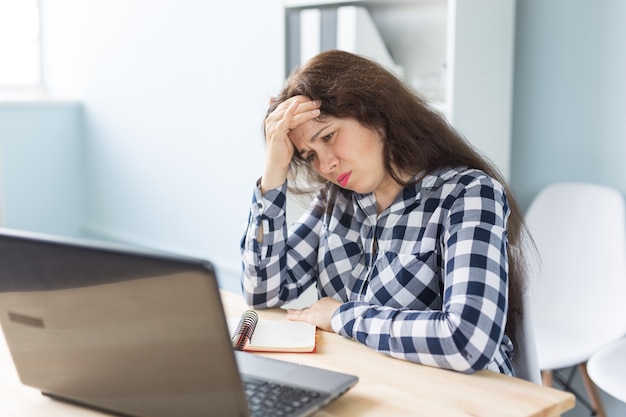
[387, 386]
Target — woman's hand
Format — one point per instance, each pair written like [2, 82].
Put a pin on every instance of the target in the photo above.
[319, 314]
[288, 115]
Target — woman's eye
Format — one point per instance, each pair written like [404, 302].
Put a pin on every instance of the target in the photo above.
[327, 137]
[310, 157]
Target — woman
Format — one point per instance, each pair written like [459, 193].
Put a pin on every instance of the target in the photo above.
[413, 239]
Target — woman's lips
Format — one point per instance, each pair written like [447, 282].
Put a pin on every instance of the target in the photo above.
[343, 179]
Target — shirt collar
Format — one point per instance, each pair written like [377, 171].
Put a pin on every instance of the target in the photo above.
[411, 194]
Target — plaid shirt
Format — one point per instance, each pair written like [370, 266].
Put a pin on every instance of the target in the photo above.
[425, 281]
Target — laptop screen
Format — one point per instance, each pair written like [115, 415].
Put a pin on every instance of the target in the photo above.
[137, 333]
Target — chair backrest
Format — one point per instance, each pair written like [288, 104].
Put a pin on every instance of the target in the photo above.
[525, 361]
[577, 292]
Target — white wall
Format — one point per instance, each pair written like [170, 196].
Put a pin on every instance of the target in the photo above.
[569, 95]
[40, 169]
[614, 149]
[174, 94]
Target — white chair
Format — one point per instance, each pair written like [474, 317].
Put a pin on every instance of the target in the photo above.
[577, 290]
[525, 360]
[607, 368]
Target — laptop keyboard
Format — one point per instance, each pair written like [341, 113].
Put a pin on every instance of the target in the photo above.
[267, 399]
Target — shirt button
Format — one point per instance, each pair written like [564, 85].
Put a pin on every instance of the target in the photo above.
[260, 205]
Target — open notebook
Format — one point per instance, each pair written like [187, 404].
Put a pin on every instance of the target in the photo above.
[133, 332]
[252, 334]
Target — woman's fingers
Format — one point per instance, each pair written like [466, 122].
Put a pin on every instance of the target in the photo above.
[319, 314]
[294, 111]
[278, 122]
[280, 150]
[304, 113]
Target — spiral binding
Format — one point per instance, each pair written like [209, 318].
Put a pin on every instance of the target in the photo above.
[245, 329]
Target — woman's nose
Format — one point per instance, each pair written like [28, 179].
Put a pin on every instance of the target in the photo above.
[327, 162]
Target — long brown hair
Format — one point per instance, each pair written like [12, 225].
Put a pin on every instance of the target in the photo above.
[416, 139]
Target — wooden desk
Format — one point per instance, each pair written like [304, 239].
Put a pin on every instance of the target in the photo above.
[397, 388]
[387, 386]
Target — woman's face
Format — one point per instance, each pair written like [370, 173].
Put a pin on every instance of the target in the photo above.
[343, 152]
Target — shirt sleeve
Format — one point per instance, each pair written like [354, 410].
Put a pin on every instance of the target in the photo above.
[467, 333]
[280, 267]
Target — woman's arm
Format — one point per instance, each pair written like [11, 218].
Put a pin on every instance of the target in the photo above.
[467, 333]
[270, 261]
[278, 267]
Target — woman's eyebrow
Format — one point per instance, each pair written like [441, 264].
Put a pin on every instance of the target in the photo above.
[317, 134]
[313, 138]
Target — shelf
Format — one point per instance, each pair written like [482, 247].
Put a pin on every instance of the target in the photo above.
[410, 37]
[457, 54]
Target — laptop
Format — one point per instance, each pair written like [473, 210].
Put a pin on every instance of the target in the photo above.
[137, 333]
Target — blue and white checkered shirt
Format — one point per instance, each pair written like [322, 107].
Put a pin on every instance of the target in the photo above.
[425, 281]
